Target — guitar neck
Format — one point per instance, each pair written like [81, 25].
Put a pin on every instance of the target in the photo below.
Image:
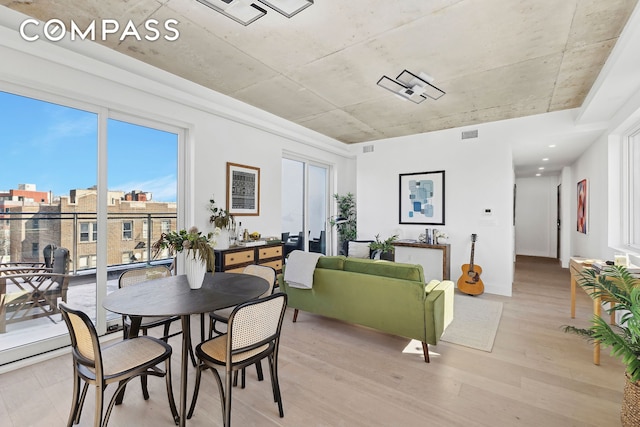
[473, 248]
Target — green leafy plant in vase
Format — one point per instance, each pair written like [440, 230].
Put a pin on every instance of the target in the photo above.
[195, 245]
[385, 247]
[614, 284]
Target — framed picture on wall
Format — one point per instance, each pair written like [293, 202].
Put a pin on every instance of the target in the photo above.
[243, 189]
[583, 208]
[422, 198]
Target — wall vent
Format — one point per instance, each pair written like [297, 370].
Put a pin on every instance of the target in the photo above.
[367, 149]
[470, 134]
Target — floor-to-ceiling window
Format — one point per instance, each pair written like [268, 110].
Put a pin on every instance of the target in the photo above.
[49, 159]
[68, 171]
[305, 201]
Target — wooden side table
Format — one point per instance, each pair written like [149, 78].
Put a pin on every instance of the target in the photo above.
[435, 265]
[576, 266]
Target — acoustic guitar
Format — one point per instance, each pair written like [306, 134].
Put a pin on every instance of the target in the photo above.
[470, 282]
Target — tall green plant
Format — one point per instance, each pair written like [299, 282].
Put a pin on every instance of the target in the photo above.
[347, 230]
[615, 284]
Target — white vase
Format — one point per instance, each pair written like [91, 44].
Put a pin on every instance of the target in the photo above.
[195, 270]
[222, 239]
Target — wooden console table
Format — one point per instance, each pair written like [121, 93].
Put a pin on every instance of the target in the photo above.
[236, 258]
[576, 267]
[434, 259]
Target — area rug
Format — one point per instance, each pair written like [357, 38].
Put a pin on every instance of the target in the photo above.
[475, 322]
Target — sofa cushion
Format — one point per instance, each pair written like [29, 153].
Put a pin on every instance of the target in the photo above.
[395, 270]
[359, 250]
[331, 262]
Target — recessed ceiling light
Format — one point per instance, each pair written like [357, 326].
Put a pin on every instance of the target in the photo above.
[546, 159]
[541, 168]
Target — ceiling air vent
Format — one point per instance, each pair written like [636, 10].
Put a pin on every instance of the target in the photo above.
[367, 149]
[470, 134]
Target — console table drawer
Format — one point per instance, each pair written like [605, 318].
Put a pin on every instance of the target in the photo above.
[266, 253]
[241, 257]
[276, 265]
[235, 259]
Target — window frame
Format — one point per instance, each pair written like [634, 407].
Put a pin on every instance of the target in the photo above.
[124, 230]
[631, 188]
[105, 109]
[92, 232]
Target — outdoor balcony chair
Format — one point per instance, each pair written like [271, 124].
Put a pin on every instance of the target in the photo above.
[28, 292]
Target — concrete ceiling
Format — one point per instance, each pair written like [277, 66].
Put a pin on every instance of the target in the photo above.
[495, 59]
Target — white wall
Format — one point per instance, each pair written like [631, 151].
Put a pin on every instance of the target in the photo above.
[602, 166]
[568, 218]
[592, 166]
[477, 176]
[536, 215]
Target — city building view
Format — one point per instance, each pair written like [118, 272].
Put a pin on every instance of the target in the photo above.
[33, 219]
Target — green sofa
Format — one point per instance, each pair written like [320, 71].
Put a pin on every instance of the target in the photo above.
[388, 296]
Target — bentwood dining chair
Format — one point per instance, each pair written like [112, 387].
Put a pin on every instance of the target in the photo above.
[253, 334]
[116, 363]
[222, 316]
[138, 275]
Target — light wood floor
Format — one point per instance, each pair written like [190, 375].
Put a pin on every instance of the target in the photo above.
[335, 374]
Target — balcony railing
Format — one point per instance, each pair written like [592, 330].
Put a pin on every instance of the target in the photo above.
[23, 237]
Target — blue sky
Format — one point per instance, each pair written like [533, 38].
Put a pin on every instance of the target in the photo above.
[55, 148]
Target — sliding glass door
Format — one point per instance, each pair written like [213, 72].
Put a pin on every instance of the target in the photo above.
[49, 158]
[305, 201]
[101, 188]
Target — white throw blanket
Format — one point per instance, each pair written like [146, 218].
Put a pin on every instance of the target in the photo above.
[299, 270]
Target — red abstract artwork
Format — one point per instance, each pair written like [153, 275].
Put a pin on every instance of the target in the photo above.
[582, 206]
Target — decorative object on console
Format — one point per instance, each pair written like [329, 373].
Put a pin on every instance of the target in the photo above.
[197, 248]
[421, 198]
[617, 285]
[415, 88]
[469, 282]
[225, 225]
[243, 190]
[439, 236]
[245, 12]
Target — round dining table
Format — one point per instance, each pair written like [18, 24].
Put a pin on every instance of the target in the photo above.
[172, 296]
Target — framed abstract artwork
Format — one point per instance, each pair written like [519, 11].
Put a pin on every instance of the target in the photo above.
[583, 208]
[243, 189]
[422, 198]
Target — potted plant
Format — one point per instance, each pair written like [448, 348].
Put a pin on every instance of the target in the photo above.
[615, 284]
[223, 221]
[385, 248]
[347, 224]
[220, 217]
[199, 255]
